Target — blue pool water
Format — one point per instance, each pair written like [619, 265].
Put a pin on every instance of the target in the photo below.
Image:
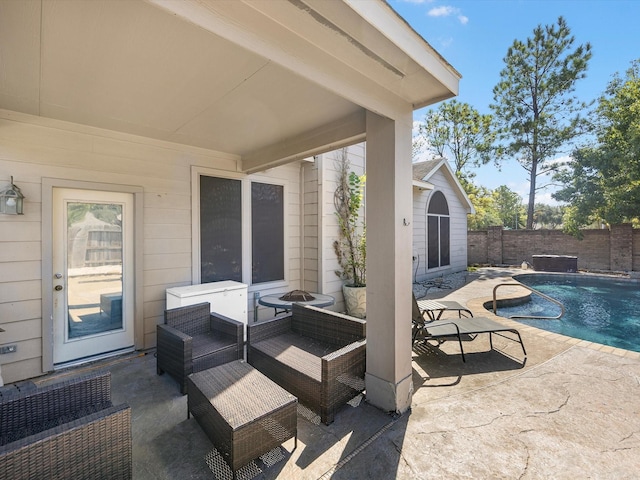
[604, 310]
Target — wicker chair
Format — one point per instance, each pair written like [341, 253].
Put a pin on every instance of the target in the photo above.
[317, 355]
[193, 339]
[65, 430]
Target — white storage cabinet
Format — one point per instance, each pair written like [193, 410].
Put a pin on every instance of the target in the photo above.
[227, 298]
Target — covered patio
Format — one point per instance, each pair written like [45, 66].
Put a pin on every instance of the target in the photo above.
[142, 97]
[569, 412]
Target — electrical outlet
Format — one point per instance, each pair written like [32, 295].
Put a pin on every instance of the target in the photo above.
[8, 349]
[256, 295]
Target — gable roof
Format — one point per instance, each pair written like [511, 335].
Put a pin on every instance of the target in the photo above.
[424, 170]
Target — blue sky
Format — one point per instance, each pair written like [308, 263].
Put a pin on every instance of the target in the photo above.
[474, 35]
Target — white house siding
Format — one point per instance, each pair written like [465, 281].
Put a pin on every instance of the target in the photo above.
[310, 227]
[332, 284]
[458, 239]
[32, 149]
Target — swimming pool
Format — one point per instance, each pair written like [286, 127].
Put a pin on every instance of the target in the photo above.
[599, 309]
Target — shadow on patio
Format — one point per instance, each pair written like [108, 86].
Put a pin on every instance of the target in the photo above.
[448, 368]
[167, 445]
[570, 412]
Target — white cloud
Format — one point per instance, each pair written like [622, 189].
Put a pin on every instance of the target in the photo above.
[443, 11]
[445, 42]
[415, 131]
[547, 199]
[447, 11]
[521, 188]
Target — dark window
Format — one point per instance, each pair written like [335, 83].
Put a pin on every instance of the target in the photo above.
[438, 204]
[433, 244]
[267, 232]
[220, 229]
[438, 231]
[444, 241]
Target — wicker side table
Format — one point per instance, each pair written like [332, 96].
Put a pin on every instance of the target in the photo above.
[243, 413]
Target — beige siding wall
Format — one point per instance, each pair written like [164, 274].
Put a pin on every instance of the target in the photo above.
[32, 149]
[458, 239]
[332, 284]
[311, 278]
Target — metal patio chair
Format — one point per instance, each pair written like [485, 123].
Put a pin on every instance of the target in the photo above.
[454, 329]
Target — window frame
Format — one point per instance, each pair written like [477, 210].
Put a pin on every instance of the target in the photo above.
[439, 217]
[246, 222]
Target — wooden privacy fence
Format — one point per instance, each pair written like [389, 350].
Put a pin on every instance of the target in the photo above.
[615, 249]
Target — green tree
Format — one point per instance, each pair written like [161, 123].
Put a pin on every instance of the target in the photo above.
[457, 131]
[417, 146]
[547, 216]
[603, 180]
[485, 206]
[509, 207]
[108, 213]
[535, 110]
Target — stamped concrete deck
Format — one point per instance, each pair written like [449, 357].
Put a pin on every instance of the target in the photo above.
[570, 411]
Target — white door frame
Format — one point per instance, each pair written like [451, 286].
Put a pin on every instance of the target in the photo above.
[48, 184]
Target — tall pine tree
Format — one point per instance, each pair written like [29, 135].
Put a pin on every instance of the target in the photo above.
[534, 106]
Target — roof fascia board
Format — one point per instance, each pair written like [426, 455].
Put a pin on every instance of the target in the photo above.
[453, 178]
[396, 29]
[380, 47]
[423, 185]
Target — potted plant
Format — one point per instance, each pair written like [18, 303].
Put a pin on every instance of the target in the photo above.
[351, 246]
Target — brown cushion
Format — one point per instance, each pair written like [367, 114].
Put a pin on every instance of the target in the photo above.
[303, 354]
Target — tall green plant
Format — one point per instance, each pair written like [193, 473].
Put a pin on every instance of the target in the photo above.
[351, 246]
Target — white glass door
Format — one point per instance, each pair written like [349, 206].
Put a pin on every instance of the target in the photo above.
[93, 274]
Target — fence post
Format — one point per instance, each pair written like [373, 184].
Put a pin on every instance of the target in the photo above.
[621, 253]
[494, 245]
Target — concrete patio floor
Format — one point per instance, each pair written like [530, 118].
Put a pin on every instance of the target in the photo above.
[571, 411]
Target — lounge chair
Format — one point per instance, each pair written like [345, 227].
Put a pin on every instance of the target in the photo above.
[453, 329]
[435, 308]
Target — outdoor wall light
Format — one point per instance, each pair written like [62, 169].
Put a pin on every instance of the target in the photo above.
[11, 200]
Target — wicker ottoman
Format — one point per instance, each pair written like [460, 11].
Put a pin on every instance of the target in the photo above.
[243, 413]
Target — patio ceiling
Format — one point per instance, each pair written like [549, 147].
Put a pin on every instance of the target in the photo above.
[269, 81]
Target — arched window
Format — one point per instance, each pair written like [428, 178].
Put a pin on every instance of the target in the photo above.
[438, 226]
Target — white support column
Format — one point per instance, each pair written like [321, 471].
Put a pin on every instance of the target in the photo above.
[389, 247]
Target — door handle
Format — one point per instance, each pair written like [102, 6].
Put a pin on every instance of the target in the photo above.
[58, 276]
[57, 288]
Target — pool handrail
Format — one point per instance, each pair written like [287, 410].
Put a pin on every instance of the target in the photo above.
[546, 297]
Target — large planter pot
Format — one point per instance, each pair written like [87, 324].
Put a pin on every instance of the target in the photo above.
[355, 299]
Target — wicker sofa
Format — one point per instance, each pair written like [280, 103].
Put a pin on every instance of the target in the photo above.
[65, 430]
[317, 355]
